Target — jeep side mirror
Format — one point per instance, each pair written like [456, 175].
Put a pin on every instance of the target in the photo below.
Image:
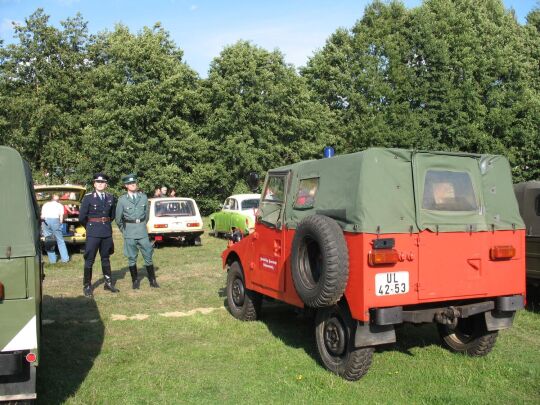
[253, 181]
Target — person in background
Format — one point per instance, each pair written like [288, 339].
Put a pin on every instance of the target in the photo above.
[157, 192]
[52, 215]
[96, 213]
[163, 191]
[172, 193]
[132, 214]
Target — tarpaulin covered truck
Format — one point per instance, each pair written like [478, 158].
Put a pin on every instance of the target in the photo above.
[381, 237]
[20, 279]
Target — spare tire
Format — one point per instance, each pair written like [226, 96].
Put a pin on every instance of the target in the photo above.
[319, 261]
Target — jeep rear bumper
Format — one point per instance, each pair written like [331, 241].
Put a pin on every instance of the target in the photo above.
[499, 314]
[176, 235]
[17, 377]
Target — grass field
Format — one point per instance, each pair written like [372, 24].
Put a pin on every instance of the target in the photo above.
[179, 345]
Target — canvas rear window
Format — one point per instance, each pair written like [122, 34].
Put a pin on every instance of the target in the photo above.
[307, 190]
[448, 191]
[174, 209]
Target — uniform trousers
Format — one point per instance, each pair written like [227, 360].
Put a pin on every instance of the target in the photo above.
[105, 247]
[132, 247]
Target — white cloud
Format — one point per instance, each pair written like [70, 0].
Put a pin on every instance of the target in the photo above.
[194, 7]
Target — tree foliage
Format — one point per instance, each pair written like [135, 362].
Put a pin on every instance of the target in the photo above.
[449, 74]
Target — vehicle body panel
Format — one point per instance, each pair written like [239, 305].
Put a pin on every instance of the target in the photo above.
[528, 197]
[21, 278]
[445, 253]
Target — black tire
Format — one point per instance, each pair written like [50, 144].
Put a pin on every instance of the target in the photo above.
[319, 261]
[469, 336]
[334, 334]
[242, 303]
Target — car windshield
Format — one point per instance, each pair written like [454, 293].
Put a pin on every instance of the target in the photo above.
[250, 204]
[64, 195]
[174, 208]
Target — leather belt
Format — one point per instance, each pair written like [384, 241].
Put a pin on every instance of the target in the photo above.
[100, 219]
[132, 221]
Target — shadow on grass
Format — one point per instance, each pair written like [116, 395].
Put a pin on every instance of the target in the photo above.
[533, 298]
[120, 275]
[296, 328]
[69, 346]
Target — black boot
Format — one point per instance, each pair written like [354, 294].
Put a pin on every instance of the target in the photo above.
[87, 282]
[152, 276]
[108, 280]
[134, 280]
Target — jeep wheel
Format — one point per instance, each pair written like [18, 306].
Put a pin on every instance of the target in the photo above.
[334, 333]
[320, 261]
[242, 303]
[469, 336]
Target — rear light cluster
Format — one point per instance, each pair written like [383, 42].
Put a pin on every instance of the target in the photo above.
[502, 252]
[2, 292]
[193, 224]
[157, 226]
[31, 357]
[383, 256]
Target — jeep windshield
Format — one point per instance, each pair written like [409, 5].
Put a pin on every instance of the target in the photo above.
[175, 208]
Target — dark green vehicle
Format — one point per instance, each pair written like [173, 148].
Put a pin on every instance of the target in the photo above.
[20, 279]
[528, 197]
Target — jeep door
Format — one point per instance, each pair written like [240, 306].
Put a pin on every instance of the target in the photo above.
[268, 260]
[449, 212]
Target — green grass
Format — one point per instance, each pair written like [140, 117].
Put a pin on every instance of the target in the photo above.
[87, 357]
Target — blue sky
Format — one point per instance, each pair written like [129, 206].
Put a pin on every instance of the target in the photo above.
[201, 28]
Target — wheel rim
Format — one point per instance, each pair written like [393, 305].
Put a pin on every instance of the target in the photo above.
[238, 292]
[310, 267]
[335, 339]
[463, 333]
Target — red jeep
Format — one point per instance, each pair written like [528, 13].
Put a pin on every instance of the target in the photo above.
[381, 237]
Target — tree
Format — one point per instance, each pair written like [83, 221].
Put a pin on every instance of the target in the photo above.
[145, 108]
[261, 115]
[450, 74]
[42, 79]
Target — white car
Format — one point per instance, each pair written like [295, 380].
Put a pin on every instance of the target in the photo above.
[237, 212]
[175, 218]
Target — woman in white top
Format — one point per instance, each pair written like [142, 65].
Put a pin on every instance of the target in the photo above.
[52, 215]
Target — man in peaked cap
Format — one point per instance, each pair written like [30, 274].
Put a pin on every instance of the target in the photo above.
[96, 213]
[132, 214]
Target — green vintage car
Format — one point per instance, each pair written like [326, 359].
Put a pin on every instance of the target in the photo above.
[238, 211]
[20, 280]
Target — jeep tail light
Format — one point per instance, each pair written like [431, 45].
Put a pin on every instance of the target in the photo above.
[193, 224]
[31, 357]
[2, 294]
[161, 226]
[383, 256]
[502, 252]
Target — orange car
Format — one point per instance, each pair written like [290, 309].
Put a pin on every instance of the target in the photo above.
[377, 238]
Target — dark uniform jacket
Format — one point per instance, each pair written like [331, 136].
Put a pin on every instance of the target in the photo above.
[94, 207]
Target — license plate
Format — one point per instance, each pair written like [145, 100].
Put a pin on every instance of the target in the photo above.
[392, 283]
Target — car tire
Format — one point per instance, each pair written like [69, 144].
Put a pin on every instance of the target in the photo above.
[319, 261]
[334, 334]
[242, 303]
[469, 336]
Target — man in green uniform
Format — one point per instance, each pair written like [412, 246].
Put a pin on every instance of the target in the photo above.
[132, 212]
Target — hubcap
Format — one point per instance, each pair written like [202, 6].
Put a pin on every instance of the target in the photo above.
[334, 337]
[238, 292]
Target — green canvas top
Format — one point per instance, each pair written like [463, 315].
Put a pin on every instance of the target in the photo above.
[19, 233]
[400, 191]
